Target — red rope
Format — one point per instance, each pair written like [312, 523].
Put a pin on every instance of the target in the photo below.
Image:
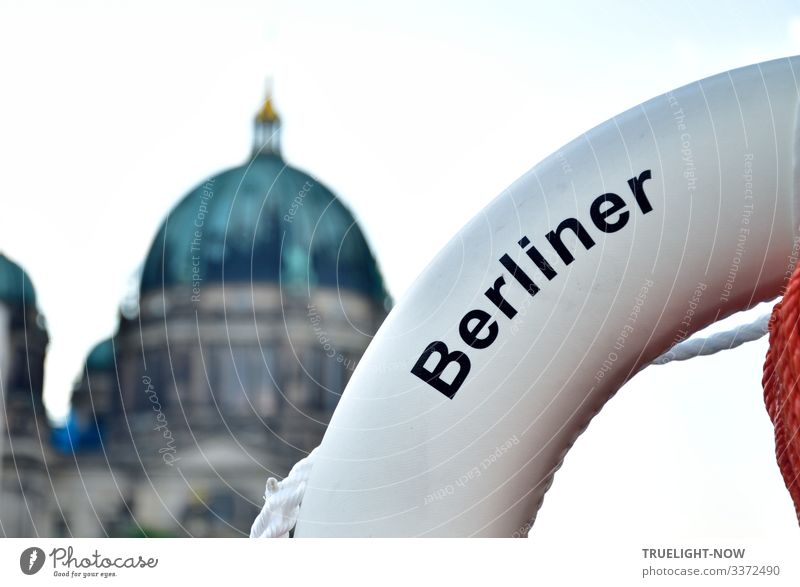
[781, 380]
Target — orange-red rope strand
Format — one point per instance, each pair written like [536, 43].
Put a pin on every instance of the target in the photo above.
[781, 380]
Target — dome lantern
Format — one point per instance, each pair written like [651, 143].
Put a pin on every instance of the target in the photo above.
[267, 130]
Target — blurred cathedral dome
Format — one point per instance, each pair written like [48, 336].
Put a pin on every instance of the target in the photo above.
[16, 288]
[262, 222]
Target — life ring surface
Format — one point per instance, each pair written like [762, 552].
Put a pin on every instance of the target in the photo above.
[538, 311]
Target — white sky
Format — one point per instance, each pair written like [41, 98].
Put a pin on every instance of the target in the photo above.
[416, 116]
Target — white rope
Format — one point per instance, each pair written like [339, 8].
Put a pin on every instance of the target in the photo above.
[720, 341]
[282, 499]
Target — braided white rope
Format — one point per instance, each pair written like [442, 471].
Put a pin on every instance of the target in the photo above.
[720, 341]
[283, 499]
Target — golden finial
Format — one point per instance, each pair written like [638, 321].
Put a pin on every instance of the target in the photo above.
[267, 127]
[267, 112]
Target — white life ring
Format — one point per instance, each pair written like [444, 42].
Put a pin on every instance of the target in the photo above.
[645, 229]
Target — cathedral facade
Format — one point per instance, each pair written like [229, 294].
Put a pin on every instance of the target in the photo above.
[25, 448]
[256, 301]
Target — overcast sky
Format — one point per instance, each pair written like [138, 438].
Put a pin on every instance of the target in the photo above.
[416, 117]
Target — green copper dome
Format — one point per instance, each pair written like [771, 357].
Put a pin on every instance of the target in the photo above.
[263, 222]
[101, 358]
[15, 285]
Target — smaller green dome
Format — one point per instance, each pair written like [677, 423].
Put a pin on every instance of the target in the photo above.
[16, 288]
[101, 358]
